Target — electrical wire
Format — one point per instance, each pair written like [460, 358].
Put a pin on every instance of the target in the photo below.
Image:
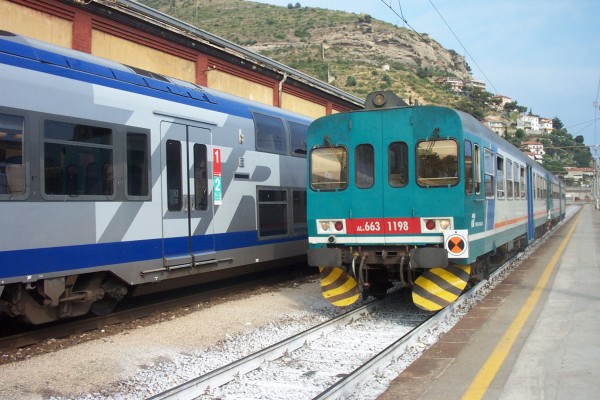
[423, 39]
[461, 44]
[401, 16]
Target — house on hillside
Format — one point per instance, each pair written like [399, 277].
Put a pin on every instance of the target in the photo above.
[546, 125]
[496, 124]
[534, 150]
[579, 174]
[502, 101]
[528, 122]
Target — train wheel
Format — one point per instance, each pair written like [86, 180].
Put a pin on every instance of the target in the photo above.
[114, 291]
[438, 287]
[338, 287]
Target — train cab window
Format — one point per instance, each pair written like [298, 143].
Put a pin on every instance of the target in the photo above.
[12, 167]
[437, 162]
[509, 179]
[488, 160]
[329, 168]
[398, 164]
[78, 160]
[477, 164]
[137, 165]
[200, 177]
[174, 181]
[272, 212]
[500, 175]
[364, 166]
[270, 134]
[298, 138]
[468, 167]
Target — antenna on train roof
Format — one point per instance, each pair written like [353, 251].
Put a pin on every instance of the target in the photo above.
[383, 99]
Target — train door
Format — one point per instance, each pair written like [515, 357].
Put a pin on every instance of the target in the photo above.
[366, 205]
[188, 238]
[530, 215]
[397, 191]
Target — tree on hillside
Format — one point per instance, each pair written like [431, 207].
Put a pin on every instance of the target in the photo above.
[513, 106]
[557, 123]
[475, 102]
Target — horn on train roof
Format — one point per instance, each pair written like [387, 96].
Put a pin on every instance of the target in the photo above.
[382, 99]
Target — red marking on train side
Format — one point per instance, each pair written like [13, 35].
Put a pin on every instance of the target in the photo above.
[383, 226]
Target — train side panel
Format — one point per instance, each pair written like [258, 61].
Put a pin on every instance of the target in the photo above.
[139, 179]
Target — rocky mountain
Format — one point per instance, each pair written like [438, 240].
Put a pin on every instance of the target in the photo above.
[356, 53]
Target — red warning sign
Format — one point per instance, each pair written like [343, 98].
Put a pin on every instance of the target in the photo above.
[457, 243]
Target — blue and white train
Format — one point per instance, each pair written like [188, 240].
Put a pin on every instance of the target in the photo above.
[420, 197]
[113, 177]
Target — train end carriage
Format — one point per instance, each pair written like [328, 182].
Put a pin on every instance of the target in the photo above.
[416, 196]
[120, 180]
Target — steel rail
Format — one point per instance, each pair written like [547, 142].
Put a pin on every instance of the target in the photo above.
[229, 372]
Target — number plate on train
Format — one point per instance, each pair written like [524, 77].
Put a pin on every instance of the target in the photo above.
[380, 226]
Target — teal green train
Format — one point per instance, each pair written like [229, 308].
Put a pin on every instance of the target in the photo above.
[425, 197]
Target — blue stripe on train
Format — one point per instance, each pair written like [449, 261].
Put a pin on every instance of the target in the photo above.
[55, 259]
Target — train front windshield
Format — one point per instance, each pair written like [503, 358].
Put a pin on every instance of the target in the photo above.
[329, 168]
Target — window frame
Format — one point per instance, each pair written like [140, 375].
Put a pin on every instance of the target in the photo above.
[14, 170]
[437, 181]
[79, 149]
[403, 177]
[342, 184]
[366, 167]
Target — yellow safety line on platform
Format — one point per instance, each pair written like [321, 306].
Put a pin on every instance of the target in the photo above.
[489, 370]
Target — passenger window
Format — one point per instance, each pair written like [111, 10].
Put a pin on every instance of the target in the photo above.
[298, 138]
[398, 164]
[137, 165]
[174, 181]
[78, 160]
[364, 166]
[270, 134]
[329, 168]
[476, 162]
[488, 159]
[509, 179]
[200, 177]
[468, 167]
[272, 212]
[12, 167]
[522, 183]
[437, 163]
[500, 177]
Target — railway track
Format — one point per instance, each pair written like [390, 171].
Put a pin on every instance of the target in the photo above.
[336, 358]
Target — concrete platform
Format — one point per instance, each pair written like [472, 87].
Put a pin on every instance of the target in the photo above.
[536, 336]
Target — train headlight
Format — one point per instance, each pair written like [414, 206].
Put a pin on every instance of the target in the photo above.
[329, 226]
[444, 224]
[436, 224]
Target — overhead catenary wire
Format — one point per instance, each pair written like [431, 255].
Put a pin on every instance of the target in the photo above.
[401, 16]
[423, 39]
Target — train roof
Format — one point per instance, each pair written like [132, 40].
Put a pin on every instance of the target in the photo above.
[49, 55]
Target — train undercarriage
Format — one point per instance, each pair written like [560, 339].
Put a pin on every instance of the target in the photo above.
[435, 281]
[58, 298]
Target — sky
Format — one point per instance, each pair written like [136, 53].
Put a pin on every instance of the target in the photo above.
[543, 54]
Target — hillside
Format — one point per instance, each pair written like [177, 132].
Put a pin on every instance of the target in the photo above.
[347, 50]
[360, 54]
